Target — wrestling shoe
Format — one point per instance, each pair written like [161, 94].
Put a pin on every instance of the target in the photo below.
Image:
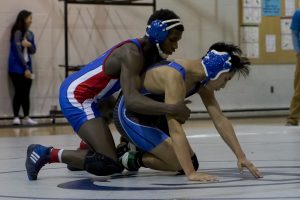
[121, 149]
[74, 169]
[129, 161]
[37, 157]
[124, 147]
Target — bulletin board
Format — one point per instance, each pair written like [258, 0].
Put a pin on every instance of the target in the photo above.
[264, 39]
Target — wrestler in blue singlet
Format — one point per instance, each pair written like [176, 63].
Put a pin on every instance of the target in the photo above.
[147, 132]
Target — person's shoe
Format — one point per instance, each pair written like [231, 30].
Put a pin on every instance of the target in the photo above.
[124, 147]
[30, 121]
[121, 149]
[128, 160]
[74, 169]
[16, 121]
[37, 157]
[291, 123]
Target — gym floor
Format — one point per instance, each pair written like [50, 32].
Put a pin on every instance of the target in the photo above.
[273, 148]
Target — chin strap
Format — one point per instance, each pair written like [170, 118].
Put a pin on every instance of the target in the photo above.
[161, 53]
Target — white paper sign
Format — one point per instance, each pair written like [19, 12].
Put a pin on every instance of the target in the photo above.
[250, 50]
[252, 15]
[249, 34]
[286, 42]
[251, 3]
[285, 26]
[289, 7]
[270, 43]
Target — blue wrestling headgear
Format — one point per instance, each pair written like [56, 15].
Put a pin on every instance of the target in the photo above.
[158, 31]
[215, 63]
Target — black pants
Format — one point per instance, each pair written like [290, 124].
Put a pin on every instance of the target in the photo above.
[22, 87]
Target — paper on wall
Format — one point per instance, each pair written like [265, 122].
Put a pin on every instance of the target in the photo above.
[251, 11]
[286, 42]
[289, 7]
[252, 15]
[251, 3]
[249, 34]
[286, 34]
[285, 25]
[270, 43]
[251, 50]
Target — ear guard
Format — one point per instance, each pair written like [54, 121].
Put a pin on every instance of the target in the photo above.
[158, 30]
[215, 63]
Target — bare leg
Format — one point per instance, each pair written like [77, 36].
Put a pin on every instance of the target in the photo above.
[163, 157]
[294, 113]
[74, 158]
[96, 134]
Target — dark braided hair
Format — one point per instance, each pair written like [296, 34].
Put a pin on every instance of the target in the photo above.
[165, 14]
[239, 63]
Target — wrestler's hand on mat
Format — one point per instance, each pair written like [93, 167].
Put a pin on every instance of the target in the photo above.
[181, 112]
[202, 177]
[244, 163]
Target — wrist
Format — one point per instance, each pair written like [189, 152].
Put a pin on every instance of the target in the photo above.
[170, 109]
[241, 156]
[191, 175]
[189, 172]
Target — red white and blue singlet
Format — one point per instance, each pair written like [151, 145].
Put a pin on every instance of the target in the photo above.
[80, 91]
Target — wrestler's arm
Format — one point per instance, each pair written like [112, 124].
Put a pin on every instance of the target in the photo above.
[226, 131]
[175, 92]
[131, 83]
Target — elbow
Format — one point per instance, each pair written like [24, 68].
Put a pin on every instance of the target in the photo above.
[130, 104]
[134, 102]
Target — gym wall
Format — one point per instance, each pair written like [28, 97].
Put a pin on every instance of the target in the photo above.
[95, 28]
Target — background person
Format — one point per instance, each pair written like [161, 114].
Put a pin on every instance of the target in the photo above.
[294, 112]
[22, 46]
